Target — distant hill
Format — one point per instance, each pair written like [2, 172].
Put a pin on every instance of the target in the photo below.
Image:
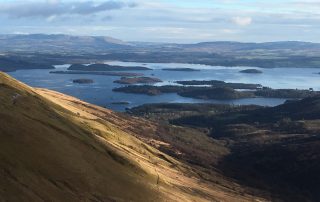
[227, 46]
[58, 43]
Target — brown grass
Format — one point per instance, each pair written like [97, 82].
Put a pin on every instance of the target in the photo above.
[57, 148]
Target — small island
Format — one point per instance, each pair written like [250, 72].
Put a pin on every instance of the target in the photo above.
[138, 80]
[83, 81]
[181, 69]
[105, 67]
[251, 71]
[121, 103]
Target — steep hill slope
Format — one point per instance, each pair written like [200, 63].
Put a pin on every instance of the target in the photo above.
[46, 154]
[53, 150]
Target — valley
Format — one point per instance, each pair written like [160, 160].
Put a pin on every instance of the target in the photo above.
[275, 149]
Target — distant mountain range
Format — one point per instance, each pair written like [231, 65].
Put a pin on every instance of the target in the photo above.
[65, 43]
[65, 49]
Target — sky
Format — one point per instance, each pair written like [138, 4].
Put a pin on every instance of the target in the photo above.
[180, 21]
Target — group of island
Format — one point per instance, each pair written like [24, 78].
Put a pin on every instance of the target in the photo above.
[137, 83]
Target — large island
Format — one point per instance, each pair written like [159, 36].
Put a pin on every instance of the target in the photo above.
[97, 73]
[217, 92]
[138, 80]
[105, 67]
[10, 64]
[193, 92]
[216, 83]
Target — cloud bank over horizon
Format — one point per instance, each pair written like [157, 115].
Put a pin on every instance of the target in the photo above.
[166, 20]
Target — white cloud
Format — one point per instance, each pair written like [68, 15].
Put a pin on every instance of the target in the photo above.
[242, 21]
[57, 8]
[167, 20]
[51, 18]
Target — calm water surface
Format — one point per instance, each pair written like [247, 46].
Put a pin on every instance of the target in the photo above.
[100, 92]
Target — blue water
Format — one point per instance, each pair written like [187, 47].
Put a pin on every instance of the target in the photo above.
[100, 92]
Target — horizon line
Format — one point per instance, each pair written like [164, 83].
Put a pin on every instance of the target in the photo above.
[134, 41]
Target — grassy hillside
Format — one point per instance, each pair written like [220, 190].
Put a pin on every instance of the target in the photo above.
[45, 154]
[56, 148]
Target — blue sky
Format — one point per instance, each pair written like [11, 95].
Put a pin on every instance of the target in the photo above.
[182, 21]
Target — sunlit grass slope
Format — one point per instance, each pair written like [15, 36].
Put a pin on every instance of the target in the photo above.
[48, 153]
[53, 150]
